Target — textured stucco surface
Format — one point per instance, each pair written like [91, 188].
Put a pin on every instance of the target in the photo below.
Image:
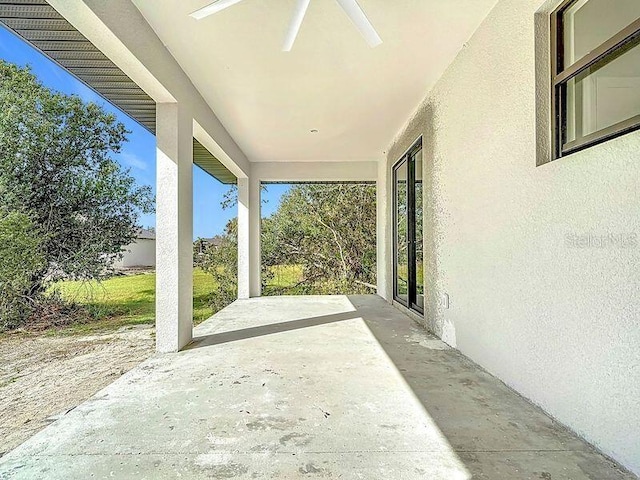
[174, 224]
[559, 324]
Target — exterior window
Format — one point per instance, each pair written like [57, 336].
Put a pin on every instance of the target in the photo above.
[595, 72]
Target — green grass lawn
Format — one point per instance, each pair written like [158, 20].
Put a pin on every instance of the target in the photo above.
[130, 300]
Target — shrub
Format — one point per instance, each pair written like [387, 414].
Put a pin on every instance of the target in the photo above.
[221, 263]
[52, 310]
[20, 258]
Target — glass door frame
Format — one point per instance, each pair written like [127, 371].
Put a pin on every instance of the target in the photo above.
[409, 158]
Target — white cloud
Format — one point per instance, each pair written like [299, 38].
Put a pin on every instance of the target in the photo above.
[133, 161]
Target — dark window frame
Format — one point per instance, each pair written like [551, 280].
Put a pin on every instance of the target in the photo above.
[560, 76]
[394, 171]
[408, 156]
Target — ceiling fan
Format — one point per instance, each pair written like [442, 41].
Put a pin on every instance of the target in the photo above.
[350, 7]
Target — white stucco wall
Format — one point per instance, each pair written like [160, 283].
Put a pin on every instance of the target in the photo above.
[141, 253]
[559, 324]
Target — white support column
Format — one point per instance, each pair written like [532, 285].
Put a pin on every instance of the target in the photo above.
[249, 281]
[174, 227]
[255, 220]
[383, 231]
[243, 238]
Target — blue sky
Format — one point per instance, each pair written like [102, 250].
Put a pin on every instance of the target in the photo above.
[138, 154]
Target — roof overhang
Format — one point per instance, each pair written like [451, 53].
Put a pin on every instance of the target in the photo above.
[39, 24]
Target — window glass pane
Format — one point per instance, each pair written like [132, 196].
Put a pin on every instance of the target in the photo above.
[590, 23]
[419, 223]
[604, 94]
[402, 247]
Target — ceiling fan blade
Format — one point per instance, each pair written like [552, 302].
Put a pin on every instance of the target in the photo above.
[294, 26]
[360, 20]
[212, 8]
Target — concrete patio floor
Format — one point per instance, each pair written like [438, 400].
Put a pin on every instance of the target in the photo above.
[308, 387]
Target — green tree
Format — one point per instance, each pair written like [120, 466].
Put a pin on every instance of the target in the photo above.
[20, 258]
[56, 165]
[221, 262]
[329, 229]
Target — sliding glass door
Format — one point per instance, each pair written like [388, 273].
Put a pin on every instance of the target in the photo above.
[408, 224]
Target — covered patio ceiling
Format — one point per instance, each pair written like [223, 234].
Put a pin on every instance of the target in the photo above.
[38, 23]
[356, 97]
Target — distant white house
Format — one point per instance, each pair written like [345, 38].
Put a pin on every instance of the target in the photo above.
[139, 253]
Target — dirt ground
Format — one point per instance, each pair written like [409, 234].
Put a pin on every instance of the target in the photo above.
[42, 376]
